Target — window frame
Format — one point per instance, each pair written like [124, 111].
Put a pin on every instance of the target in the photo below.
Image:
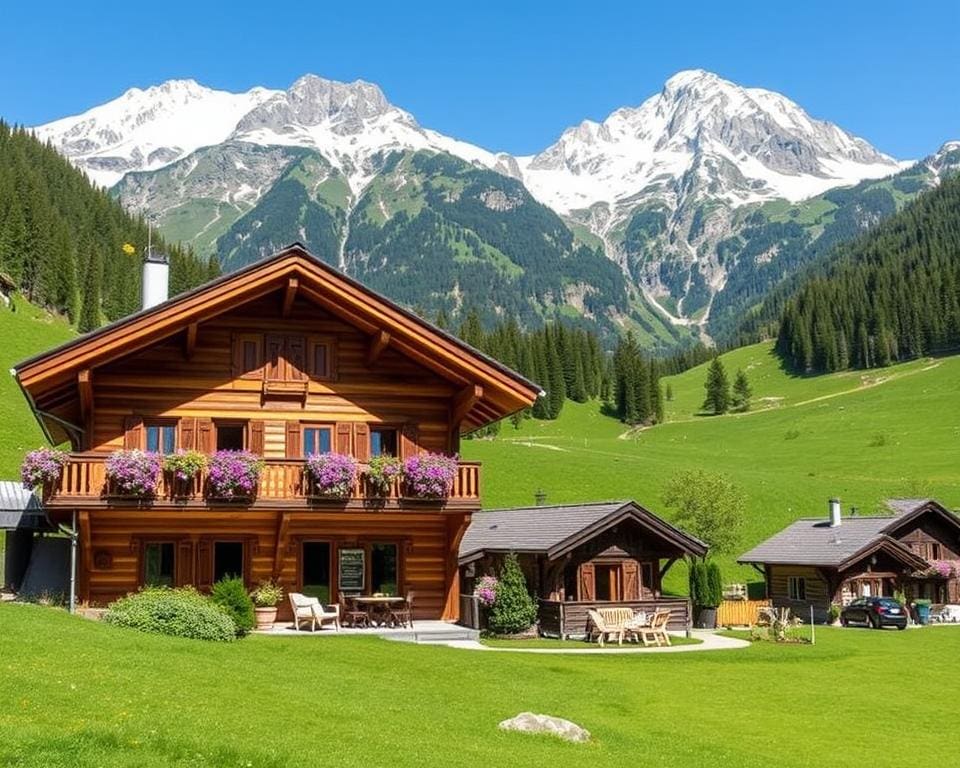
[239, 342]
[399, 546]
[161, 424]
[144, 544]
[304, 426]
[371, 428]
[244, 425]
[797, 588]
[330, 342]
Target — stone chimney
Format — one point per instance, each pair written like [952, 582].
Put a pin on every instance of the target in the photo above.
[835, 518]
[156, 278]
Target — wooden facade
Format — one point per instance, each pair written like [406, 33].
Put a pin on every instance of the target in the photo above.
[283, 359]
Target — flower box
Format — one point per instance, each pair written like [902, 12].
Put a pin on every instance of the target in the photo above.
[430, 475]
[43, 468]
[381, 474]
[330, 475]
[132, 474]
[233, 475]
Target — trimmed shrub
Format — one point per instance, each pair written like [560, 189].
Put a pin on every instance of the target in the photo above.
[513, 609]
[231, 596]
[714, 585]
[706, 584]
[178, 612]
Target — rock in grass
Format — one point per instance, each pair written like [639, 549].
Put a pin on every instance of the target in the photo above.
[528, 722]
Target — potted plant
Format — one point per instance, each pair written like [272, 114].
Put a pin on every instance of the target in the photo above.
[381, 473]
[183, 468]
[706, 592]
[43, 468]
[266, 597]
[430, 475]
[233, 475]
[133, 473]
[833, 614]
[331, 474]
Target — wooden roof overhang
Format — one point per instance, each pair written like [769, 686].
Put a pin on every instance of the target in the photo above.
[889, 546]
[58, 383]
[929, 507]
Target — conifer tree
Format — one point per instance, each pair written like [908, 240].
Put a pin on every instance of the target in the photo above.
[742, 392]
[718, 388]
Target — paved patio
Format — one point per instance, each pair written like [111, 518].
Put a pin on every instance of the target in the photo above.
[425, 631]
[709, 642]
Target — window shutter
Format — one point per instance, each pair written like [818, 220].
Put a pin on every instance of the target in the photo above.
[275, 364]
[344, 434]
[296, 354]
[294, 447]
[133, 432]
[236, 345]
[206, 439]
[184, 563]
[631, 580]
[361, 442]
[204, 565]
[188, 434]
[587, 582]
[256, 437]
[409, 441]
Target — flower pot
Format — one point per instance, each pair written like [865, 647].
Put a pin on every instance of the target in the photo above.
[706, 618]
[266, 617]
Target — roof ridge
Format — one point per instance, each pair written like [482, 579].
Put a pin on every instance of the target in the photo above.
[557, 506]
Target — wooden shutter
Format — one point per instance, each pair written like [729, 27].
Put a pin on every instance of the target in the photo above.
[294, 445]
[206, 437]
[344, 435]
[184, 563]
[587, 590]
[133, 432]
[236, 346]
[274, 356]
[631, 580]
[409, 441]
[361, 442]
[188, 434]
[256, 437]
[204, 575]
[296, 354]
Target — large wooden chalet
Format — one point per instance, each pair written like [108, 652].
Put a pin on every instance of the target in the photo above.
[284, 358]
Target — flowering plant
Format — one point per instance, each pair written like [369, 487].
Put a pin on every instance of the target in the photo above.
[382, 471]
[133, 473]
[267, 594]
[944, 569]
[184, 465]
[486, 591]
[42, 466]
[430, 475]
[233, 474]
[332, 473]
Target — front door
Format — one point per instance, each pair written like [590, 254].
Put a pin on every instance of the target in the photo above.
[315, 570]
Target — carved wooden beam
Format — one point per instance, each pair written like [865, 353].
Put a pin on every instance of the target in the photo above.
[378, 344]
[464, 401]
[190, 341]
[667, 566]
[289, 294]
[85, 386]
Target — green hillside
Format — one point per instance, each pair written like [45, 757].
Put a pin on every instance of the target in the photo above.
[864, 437]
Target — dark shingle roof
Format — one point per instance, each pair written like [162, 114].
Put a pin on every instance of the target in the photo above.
[19, 508]
[811, 541]
[905, 506]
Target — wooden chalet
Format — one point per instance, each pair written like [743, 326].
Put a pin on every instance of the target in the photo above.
[283, 358]
[816, 562]
[577, 557]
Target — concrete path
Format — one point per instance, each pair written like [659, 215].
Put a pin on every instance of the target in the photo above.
[710, 642]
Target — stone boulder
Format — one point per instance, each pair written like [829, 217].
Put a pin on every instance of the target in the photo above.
[528, 722]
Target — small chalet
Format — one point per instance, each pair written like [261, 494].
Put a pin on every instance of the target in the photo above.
[285, 359]
[816, 562]
[578, 557]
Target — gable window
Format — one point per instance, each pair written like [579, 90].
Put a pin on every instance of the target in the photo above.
[248, 355]
[159, 563]
[160, 438]
[797, 588]
[285, 357]
[317, 439]
[383, 441]
[231, 436]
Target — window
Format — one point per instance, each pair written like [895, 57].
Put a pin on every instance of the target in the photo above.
[227, 560]
[797, 588]
[248, 355]
[231, 437]
[320, 357]
[285, 359]
[609, 582]
[161, 438]
[384, 568]
[158, 564]
[383, 441]
[315, 570]
[317, 440]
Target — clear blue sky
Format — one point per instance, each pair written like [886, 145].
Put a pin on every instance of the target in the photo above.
[507, 76]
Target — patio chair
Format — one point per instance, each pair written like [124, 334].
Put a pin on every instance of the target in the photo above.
[402, 615]
[603, 629]
[656, 632]
[352, 615]
[326, 614]
[302, 607]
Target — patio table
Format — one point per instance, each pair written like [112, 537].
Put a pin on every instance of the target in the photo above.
[378, 608]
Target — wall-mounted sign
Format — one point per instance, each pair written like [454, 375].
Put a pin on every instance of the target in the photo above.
[352, 570]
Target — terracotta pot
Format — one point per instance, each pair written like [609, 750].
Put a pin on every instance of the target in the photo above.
[266, 617]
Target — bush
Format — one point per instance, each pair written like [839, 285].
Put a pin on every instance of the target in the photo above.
[178, 612]
[706, 584]
[231, 596]
[513, 609]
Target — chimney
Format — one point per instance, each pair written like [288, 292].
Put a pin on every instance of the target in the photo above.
[835, 519]
[156, 278]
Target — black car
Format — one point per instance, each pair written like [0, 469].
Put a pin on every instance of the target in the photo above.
[876, 612]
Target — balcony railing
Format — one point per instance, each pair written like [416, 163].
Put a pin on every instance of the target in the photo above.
[84, 482]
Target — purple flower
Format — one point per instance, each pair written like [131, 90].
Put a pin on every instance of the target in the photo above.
[430, 475]
[332, 473]
[44, 465]
[233, 474]
[133, 473]
[486, 591]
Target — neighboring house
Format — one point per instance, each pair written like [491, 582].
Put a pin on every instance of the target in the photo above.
[21, 516]
[815, 561]
[285, 358]
[579, 556]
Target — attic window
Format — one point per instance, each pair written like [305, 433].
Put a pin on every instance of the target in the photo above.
[320, 357]
[248, 355]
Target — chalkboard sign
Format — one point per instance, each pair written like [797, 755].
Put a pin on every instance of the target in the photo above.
[352, 570]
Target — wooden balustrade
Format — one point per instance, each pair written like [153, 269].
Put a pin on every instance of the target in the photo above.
[84, 481]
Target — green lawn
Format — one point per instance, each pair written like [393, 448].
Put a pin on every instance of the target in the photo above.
[76, 693]
[560, 645]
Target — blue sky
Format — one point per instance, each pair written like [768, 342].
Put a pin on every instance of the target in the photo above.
[507, 76]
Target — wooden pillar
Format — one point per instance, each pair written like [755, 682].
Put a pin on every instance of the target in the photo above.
[84, 561]
[456, 525]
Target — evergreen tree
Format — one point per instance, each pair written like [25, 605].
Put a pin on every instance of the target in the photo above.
[514, 609]
[742, 392]
[718, 388]
[669, 392]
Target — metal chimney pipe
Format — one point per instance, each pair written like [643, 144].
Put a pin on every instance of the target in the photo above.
[156, 279]
[835, 518]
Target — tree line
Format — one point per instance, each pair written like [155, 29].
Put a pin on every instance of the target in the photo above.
[68, 245]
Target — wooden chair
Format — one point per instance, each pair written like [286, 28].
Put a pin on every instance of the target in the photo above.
[603, 629]
[402, 615]
[351, 615]
[326, 614]
[656, 632]
[303, 609]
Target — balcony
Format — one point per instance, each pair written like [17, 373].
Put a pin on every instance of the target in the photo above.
[283, 483]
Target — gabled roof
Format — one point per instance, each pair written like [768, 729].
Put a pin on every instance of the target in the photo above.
[19, 508]
[490, 390]
[555, 530]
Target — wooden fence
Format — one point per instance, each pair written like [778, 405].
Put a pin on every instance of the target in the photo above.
[740, 613]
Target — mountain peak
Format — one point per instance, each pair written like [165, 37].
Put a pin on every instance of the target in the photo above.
[331, 98]
[688, 77]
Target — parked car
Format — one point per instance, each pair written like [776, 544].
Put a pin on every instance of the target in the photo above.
[876, 612]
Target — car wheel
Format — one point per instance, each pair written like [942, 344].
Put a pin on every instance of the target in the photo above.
[875, 623]
[844, 622]
[901, 627]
